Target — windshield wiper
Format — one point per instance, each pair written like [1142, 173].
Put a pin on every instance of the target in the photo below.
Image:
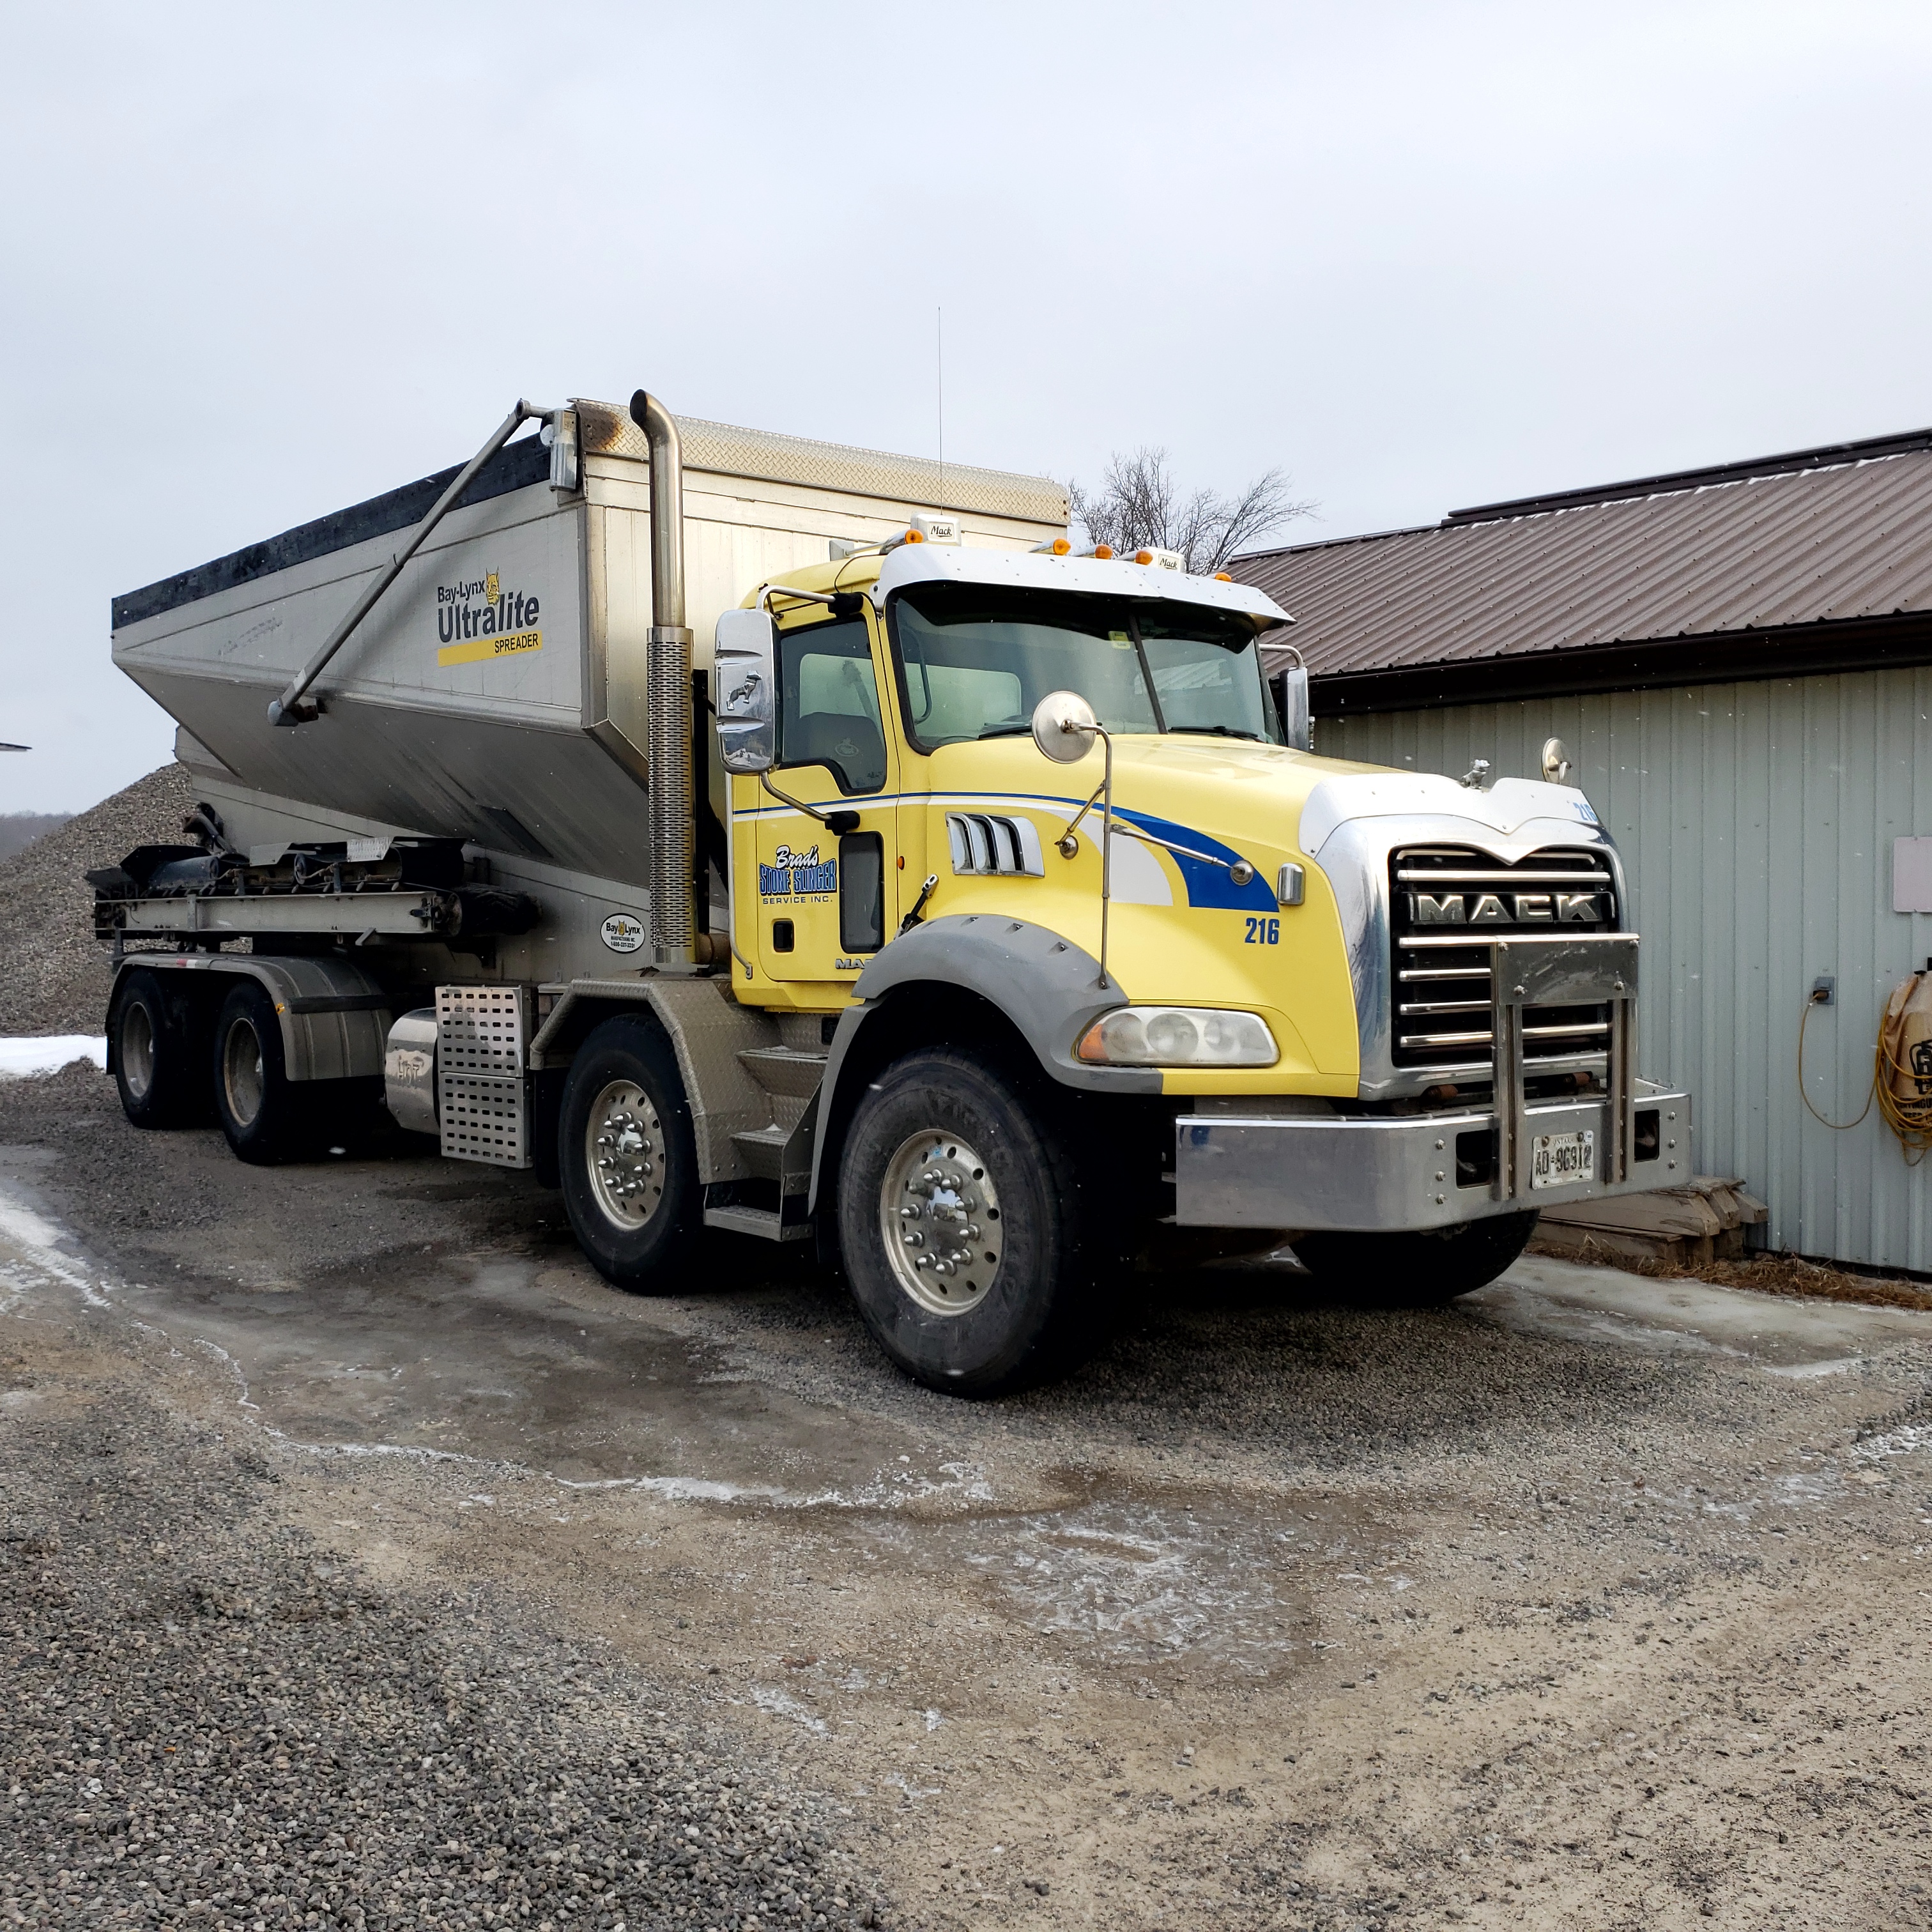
[1218, 731]
[1007, 731]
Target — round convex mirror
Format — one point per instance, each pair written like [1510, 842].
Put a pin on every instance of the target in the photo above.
[1063, 726]
[1555, 761]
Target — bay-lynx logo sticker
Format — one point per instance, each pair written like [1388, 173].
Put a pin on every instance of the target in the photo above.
[794, 875]
[624, 932]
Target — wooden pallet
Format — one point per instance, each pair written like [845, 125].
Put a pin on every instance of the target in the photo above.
[1706, 1219]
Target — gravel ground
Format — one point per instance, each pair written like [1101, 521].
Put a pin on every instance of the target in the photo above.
[1594, 1602]
[210, 1718]
[53, 975]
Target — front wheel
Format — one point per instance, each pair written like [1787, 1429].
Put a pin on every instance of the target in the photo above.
[960, 1221]
[627, 1157]
[1423, 1270]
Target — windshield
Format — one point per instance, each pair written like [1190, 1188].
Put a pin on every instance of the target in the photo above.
[976, 659]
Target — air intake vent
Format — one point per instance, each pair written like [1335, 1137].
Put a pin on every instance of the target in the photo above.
[986, 842]
[1446, 904]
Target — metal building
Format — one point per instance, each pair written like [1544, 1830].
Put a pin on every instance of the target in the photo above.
[1739, 661]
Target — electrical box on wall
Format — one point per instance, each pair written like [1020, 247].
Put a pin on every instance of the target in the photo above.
[1911, 875]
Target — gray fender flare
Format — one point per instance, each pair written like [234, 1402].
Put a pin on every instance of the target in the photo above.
[335, 1016]
[1049, 988]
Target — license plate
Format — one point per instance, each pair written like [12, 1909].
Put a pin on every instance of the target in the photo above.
[1562, 1160]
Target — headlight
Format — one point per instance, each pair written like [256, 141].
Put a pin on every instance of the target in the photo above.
[1178, 1036]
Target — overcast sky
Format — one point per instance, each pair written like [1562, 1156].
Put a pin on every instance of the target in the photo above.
[261, 262]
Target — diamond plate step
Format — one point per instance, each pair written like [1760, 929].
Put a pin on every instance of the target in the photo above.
[784, 1069]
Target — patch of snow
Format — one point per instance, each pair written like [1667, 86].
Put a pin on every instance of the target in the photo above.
[26, 1059]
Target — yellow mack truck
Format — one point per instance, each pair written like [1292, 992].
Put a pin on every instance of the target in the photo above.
[972, 908]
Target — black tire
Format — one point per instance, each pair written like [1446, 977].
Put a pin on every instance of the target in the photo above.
[639, 1220]
[1419, 1270]
[267, 1117]
[932, 1133]
[161, 1051]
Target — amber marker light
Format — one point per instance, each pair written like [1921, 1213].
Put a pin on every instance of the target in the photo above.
[1221, 577]
[1143, 557]
[1103, 551]
[1060, 546]
[915, 536]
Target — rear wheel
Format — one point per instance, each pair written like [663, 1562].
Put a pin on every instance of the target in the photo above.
[960, 1221]
[160, 1051]
[627, 1158]
[1422, 1270]
[266, 1116]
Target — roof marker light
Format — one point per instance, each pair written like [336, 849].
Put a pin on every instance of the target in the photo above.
[1059, 546]
[1221, 577]
[1103, 551]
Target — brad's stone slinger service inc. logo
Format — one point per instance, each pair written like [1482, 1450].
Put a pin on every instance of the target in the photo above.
[796, 874]
[477, 618]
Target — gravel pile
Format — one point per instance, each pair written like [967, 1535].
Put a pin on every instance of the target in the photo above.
[19, 829]
[208, 1722]
[53, 975]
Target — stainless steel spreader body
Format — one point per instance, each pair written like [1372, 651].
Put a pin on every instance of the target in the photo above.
[496, 691]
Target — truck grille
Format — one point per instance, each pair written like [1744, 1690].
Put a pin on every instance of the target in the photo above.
[1446, 903]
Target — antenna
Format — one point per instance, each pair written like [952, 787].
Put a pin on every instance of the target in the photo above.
[939, 328]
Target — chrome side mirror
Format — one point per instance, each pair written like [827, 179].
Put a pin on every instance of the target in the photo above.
[1290, 686]
[1064, 727]
[1555, 761]
[747, 674]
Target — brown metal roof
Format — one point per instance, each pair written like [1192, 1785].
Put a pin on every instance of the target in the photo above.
[1758, 549]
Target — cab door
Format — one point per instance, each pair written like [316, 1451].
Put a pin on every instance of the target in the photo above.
[826, 898]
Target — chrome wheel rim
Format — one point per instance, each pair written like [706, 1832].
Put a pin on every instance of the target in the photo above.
[242, 1078]
[624, 1154]
[137, 1048]
[939, 1219]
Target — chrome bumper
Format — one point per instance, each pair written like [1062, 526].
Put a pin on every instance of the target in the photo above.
[1385, 1173]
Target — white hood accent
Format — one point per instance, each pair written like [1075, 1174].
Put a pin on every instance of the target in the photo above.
[1525, 812]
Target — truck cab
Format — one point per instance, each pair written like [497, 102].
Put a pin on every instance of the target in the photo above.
[1036, 815]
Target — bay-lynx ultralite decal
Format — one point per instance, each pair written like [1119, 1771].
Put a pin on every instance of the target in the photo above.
[477, 618]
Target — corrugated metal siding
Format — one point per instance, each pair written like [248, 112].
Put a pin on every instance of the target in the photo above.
[1849, 542]
[1757, 820]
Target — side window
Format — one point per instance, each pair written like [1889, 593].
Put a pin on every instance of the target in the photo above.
[828, 703]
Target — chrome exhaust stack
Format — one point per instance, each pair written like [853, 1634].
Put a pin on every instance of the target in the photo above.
[673, 806]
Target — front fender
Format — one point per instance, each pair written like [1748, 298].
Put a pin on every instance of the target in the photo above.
[1048, 988]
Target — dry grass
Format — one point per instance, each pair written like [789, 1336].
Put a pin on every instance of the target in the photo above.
[1791, 1275]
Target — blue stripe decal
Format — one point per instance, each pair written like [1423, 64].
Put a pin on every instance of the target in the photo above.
[1208, 885]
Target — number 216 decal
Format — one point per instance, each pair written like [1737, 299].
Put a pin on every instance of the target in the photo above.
[1263, 932]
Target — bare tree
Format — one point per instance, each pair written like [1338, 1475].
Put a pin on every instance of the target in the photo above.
[1139, 505]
